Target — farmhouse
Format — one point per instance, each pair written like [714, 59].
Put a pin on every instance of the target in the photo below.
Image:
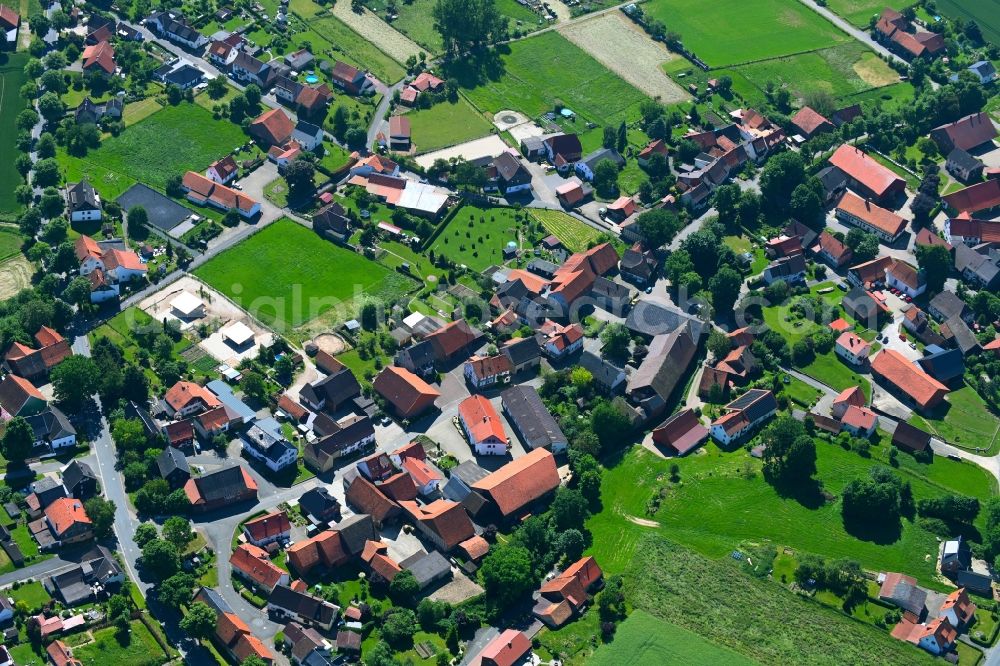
[508, 648]
[563, 150]
[670, 355]
[204, 191]
[965, 167]
[444, 522]
[225, 487]
[852, 348]
[254, 566]
[399, 133]
[893, 29]
[976, 198]
[862, 213]
[907, 279]
[518, 485]
[90, 113]
[83, 202]
[482, 426]
[743, 415]
[485, 371]
[654, 147]
[908, 380]
[272, 128]
[809, 123]
[34, 364]
[407, 394]
[535, 425]
[223, 171]
[968, 133]
[99, 59]
[351, 79]
[10, 20]
[511, 175]
[302, 607]
[832, 251]
[349, 435]
[867, 176]
[681, 433]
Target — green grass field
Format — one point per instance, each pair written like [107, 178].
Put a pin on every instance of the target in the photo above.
[538, 71]
[829, 369]
[11, 104]
[141, 650]
[966, 422]
[295, 277]
[446, 124]
[859, 12]
[984, 12]
[573, 233]
[32, 594]
[330, 37]
[476, 236]
[644, 640]
[723, 500]
[741, 31]
[172, 141]
[717, 600]
[842, 70]
[10, 243]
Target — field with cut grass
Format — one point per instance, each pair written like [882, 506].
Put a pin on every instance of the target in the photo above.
[829, 369]
[367, 24]
[10, 242]
[477, 236]
[860, 12]
[296, 276]
[964, 421]
[717, 600]
[337, 40]
[11, 104]
[446, 124]
[169, 142]
[15, 275]
[573, 233]
[740, 31]
[839, 71]
[644, 640]
[535, 72]
[723, 500]
[984, 12]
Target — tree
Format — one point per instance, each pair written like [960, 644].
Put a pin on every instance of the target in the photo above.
[610, 425]
[404, 588]
[18, 440]
[935, 262]
[299, 176]
[253, 386]
[571, 543]
[806, 205]
[610, 137]
[725, 200]
[864, 245]
[615, 339]
[369, 316]
[45, 173]
[790, 454]
[51, 107]
[176, 590]
[779, 178]
[569, 509]
[381, 654]
[399, 625]
[724, 85]
[252, 94]
[253, 660]
[128, 434]
[102, 515]
[174, 95]
[46, 146]
[658, 226]
[606, 178]
[881, 497]
[339, 123]
[506, 574]
[356, 138]
[703, 248]
[137, 217]
[74, 380]
[725, 287]
[160, 559]
[177, 530]
[144, 533]
[216, 87]
[468, 25]
[200, 621]
[686, 150]
[658, 166]
[719, 344]
[26, 119]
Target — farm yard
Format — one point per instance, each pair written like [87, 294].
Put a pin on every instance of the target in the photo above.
[446, 124]
[12, 77]
[574, 234]
[859, 12]
[984, 12]
[627, 51]
[744, 31]
[143, 152]
[367, 24]
[339, 41]
[292, 277]
[538, 71]
[476, 236]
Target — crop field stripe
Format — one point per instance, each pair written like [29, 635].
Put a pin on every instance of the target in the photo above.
[985, 12]
[11, 104]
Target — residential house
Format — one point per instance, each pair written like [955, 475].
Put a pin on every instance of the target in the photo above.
[587, 167]
[565, 595]
[859, 421]
[326, 550]
[320, 506]
[204, 191]
[223, 171]
[967, 133]
[369, 499]
[307, 135]
[351, 79]
[187, 399]
[984, 71]
[958, 609]
[515, 487]
[809, 123]
[247, 69]
[608, 377]
[425, 476]
[35, 364]
[956, 332]
[399, 133]
[180, 73]
[743, 415]
[10, 21]
[302, 607]
[862, 213]
[83, 202]
[273, 527]
[863, 308]
[173, 467]
[980, 266]
[222, 53]
[621, 208]
[681, 433]
[783, 246]
[852, 348]
[524, 354]
[669, 357]
[561, 341]
[852, 396]
[984, 196]
[789, 269]
[99, 59]
[375, 164]
[832, 251]
[349, 435]
[902, 591]
[443, 522]
[19, 397]
[654, 147]
[482, 426]
[509, 648]
[453, 340]
[867, 176]
[649, 319]
[269, 446]
[254, 566]
[79, 480]
[937, 636]
[417, 358]
[907, 380]
[535, 425]
[907, 279]
[964, 166]
[272, 128]
[482, 372]
[408, 395]
[895, 31]
[68, 521]
[563, 150]
[91, 113]
[611, 296]
[946, 305]
[177, 29]
[964, 229]
[511, 175]
[232, 635]
[225, 487]
[95, 577]
[331, 221]
[332, 392]
[638, 266]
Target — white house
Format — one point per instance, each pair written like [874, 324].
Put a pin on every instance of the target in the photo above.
[562, 340]
[484, 371]
[852, 348]
[223, 171]
[123, 265]
[83, 201]
[743, 415]
[274, 451]
[907, 279]
[101, 289]
[482, 426]
[307, 135]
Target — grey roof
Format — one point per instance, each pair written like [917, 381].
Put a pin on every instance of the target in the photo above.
[604, 373]
[77, 584]
[964, 160]
[981, 265]
[949, 305]
[522, 350]
[542, 267]
[50, 424]
[909, 597]
[347, 435]
[974, 581]
[858, 300]
[82, 196]
[355, 531]
[306, 129]
[304, 605]
[214, 600]
[172, 460]
[961, 335]
[222, 484]
[536, 425]
[461, 478]
[755, 403]
[319, 502]
[247, 62]
[48, 490]
[418, 355]
[595, 157]
[832, 178]
[984, 68]
[650, 319]
[427, 567]
[944, 365]
[229, 399]
[668, 359]
[184, 76]
[509, 167]
[267, 444]
[75, 473]
[609, 288]
[338, 387]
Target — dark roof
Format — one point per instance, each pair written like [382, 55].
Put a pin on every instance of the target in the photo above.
[171, 461]
[944, 365]
[418, 355]
[75, 473]
[355, 531]
[959, 333]
[536, 425]
[910, 437]
[427, 567]
[858, 300]
[469, 472]
[668, 359]
[82, 196]
[213, 599]
[522, 350]
[597, 156]
[50, 425]
[346, 435]
[982, 583]
[755, 403]
[509, 167]
[603, 372]
[609, 288]
[319, 503]
[267, 444]
[964, 160]
[948, 305]
[338, 387]
[650, 319]
[303, 604]
[222, 484]
[184, 76]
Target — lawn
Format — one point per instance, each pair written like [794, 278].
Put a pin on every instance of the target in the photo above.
[10, 243]
[717, 600]
[11, 104]
[829, 369]
[536, 72]
[965, 421]
[335, 157]
[446, 124]
[169, 142]
[573, 233]
[644, 640]
[296, 275]
[741, 31]
[723, 500]
[984, 12]
[477, 236]
[860, 12]
[141, 650]
[338, 41]
[33, 594]
[840, 71]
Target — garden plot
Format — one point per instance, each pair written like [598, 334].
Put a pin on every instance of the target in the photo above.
[378, 32]
[623, 48]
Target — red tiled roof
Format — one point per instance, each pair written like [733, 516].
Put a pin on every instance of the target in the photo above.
[926, 237]
[179, 432]
[861, 418]
[126, 259]
[274, 126]
[905, 273]
[962, 605]
[452, 337]
[407, 392]
[363, 494]
[968, 132]
[876, 216]
[326, 548]
[521, 481]
[851, 396]
[183, 393]
[225, 197]
[87, 247]
[908, 378]
[682, 431]
[809, 121]
[292, 408]
[853, 343]
[507, 649]
[101, 55]
[15, 392]
[420, 471]
[9, 17]
[840, 325]
[862, 168]
[213, 419]
[58, 651]
[64, 513]
[839, 252]
[484, 367]
[654, 146]
[255, 563]
[443, 517]
[987, 231]
[399, 126]
[535, 283]
[476, 548]
[267, 526]
[972, 199]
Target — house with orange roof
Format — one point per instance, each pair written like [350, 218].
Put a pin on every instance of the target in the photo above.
[225, 487]
[99, 59]
[10, 21]
[958, 609]
[561, 340]
[34, 364]
[454, 339]
[482, 426]
[743, 415]
[444, 522]
[68, 521]
[273, 527]
[19, 397]
[485, 371]
[866, 215]
[984, 196]
[408, 395]
[564, 596]
[116, 265]
[967, 133]
[852, 396]
[907, 380]
[272, 128]
[206, 192]
[832, 251]
[937, 636]
[654, 147]
[867, 176]
[809, 123]
[326, 550]
[375, 164]
[234, 636]
[963, 228]
[859, 421]
[254, 565]
[852, 348]
[522, 483]
[907, 279]
[510, 648]
[58, 652]
[186, 398]
[367, 498]
[426, 477]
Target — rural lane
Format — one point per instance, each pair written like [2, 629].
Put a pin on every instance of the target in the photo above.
[855, 32]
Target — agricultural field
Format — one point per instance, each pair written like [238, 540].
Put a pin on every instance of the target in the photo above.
[143, 153]
[538, 71]
[336, 40]
[367, 24]
[715, 598]
[476, 236]
[860, 12]
[984, 12]
[644, 640]
[626, 50]
[839, 71]
[446, 124]
[741, 31]
[11, 104]
[288, 285]
[15, 275]
[574, 234]
[722, 500]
